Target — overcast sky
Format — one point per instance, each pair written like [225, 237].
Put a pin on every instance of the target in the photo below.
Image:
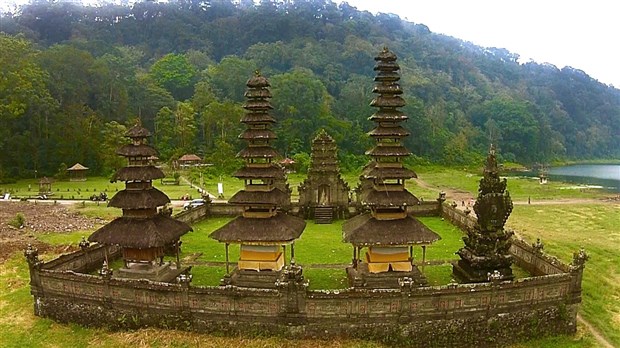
[581, 34]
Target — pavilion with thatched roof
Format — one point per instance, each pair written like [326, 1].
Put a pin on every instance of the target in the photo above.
[388, 232]
[45, 186]
[77, 172]
[188, 160]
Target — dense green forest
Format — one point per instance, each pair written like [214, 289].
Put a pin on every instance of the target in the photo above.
[73, 78]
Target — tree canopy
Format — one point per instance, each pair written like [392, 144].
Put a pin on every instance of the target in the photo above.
[71, 77]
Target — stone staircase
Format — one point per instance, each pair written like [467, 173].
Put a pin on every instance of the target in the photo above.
[323, 215]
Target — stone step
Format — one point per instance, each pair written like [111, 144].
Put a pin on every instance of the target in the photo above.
[323, 215]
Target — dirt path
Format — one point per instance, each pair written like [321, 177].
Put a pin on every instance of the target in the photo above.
[597, 335]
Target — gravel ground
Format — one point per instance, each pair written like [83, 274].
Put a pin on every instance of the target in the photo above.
[39, 218]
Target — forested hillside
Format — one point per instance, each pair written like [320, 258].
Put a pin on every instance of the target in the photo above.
[73, 78]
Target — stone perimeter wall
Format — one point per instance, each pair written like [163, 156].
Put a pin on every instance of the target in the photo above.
[489, 314]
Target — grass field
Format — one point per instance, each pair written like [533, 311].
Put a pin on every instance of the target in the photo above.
[595, 227]
[563, 229]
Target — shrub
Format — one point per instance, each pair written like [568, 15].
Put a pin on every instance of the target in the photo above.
[18, 221]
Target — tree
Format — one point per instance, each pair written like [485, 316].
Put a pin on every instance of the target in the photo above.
[113, 138]
[174, 73]
[25, 101]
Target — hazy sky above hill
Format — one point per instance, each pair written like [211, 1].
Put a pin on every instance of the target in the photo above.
[580, 34]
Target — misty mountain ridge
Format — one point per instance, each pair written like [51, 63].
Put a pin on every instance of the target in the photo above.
[319, 58]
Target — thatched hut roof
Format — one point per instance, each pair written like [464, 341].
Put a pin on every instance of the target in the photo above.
[190, 158]
[364, 230]
[77, 167]
[45, 181]
[281, 228]
[140, 233]
[139, 199]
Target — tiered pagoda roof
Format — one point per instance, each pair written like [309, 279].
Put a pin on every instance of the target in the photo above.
[383, 179]
[265, 180]
[324, 158]
[140, 227]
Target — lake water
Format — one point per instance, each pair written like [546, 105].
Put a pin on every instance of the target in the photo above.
[606, 176]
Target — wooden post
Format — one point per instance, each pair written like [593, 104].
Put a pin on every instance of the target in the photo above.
[423, 256]
[293, 253]
[178, 257]
[354, 257]
[227, 264]
[284, 252]
[411, 253]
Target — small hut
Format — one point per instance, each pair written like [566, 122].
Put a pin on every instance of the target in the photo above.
[45, 186]
[77, 172]
[189, 160]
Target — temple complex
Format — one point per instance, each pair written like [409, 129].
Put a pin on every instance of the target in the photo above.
[263, 230]
[486, 252]
[324, 194]
[141, 232]
[387, 231]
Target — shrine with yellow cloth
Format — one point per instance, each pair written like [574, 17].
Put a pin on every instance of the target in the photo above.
[384, 259]
[260, 257]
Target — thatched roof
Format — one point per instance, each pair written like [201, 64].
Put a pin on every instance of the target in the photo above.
[258, 152]
[258, 117]
[257, 134]
[77, 167]
[382, 131]
[389, 198]
[139, 199]
[385, 101]
[273, 197]
[386, 55]
[138, 173]
[270, 172]
[389, 151]
[140, 233]
[371, 172]
[281, 228]
[257, 81]
[131, 150]
[137, 131]
[189, 158]
[45, 180]
[364, 230]
[388, 115]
